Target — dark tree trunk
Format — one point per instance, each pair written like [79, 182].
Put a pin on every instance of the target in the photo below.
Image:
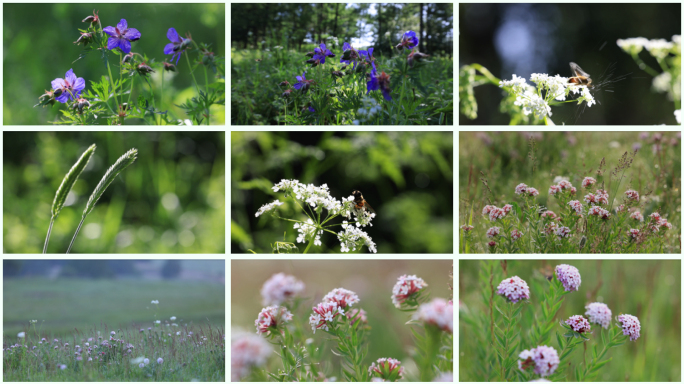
[319, 23]
[337, 9]
[420, 17]
[427, 35]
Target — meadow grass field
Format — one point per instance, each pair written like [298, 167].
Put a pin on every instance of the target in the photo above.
[492, 165]
[647, 289]
[189, 336]
[422, 95]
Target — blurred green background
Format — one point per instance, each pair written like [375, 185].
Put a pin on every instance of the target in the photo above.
[504, 159]
[407, 177]
[647, 289]
[171, 200]
[38, 48]
[39, 290]
[371, 280]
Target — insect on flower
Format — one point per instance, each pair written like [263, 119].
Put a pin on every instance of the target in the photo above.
[360, 202]
[581, 77]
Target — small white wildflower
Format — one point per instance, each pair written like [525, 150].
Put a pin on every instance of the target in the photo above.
[21, 334]
[158, 321]
[155, 301]
[160, 360]
[62, 366]
[659, 48]
[632, 45]
[268, 207]
[173, 318]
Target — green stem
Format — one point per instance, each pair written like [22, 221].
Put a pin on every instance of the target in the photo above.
[111, 81]
[195, 80]
[131, 92]
[310, 243]
[161, 95]
[76, 234]
[154, 106]
[206, 87]
[47, 239]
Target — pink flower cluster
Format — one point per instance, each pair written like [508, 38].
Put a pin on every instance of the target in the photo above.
[658, 222]
[515, 234]
[271, 317]
[634, 233]
[280, 288]
[631, 194]
[630, 326]
[324, 315]
[599, 313]
[496, 213]
[493, 232]
[601, 197]
[514, 289]
[467, 228]
[600, 212]
[406, 286]
[438, 312]
[578, 324]
[569, 276]
[357, 314]
[563, 232]
[576, 205]
[549, 214]
[543, 360]
[247, 351]
[636, 215]
[387, 368]
[525, 191]
[563, 186]
[588, 182]
[343, 297]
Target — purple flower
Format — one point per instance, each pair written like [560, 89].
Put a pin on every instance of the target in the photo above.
[544, 360]
[578, 324]
[599, 313]
[514, 289]
[569, 276]
[68, 88]
[303, 83]
[368, 55]
[121, 36]
[350, 55]
[409, 40]
[311, 109]
[321, 53]
[380, 82]
[177, 44]
[630, 326]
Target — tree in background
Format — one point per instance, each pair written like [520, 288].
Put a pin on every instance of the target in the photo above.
[171, 269]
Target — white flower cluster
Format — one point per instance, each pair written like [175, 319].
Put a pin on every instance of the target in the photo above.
[280, 288]
[353, 237]
[247, 351]
[599, 313]
[406, 286]
[307, 231]
[268, 207]
[438, 312]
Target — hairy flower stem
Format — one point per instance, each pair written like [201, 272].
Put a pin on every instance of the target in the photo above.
[75, 234]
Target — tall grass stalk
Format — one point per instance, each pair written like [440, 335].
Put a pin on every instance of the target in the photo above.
[124, 161]
[64, 188]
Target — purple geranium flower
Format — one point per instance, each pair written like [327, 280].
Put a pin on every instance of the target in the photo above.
[121, 36]
[302, 83]
[380, 82]
[409, 40]
[368, 55]
[350, 55]
[177, 44]
[321, 53]
[68, 88]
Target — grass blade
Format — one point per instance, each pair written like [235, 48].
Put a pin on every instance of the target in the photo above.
[124, 161]
[64, 188]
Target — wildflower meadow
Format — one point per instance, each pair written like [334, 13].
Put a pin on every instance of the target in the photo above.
[336, 64]
[572, 192]
[576, 320]
[102, 321]
[302, 333]
[138, 64]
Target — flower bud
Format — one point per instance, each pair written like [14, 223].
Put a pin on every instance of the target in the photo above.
[58, 92]
[186, 43]
[284, 83]
[346, 55]
[169, 67]
[85, 38]
[48, 98]
[313, 62]
[92, 19]
[337, 73]
[207, 58]
[144, 69]
[128, 57]
[80, 104]
[415, 56]
[310, 54]
[287, 93]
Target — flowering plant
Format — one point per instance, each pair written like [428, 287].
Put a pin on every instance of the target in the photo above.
[313, 201]
[108, 100]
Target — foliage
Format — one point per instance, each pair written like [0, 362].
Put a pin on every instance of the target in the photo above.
[627, 287]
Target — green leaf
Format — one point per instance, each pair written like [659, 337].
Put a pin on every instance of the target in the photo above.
[599, 365]
[559, 339]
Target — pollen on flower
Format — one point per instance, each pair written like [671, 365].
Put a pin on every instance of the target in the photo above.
[513, 289]
[406, 287]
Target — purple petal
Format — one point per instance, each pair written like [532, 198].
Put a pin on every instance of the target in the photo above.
[70, 77]
[79, 85]
[304, 75]
[179, 55]
[132, 34]
[111, 31]
[123, 25]
[346, 46]
[370, 52]
[58, 83]
[168, 49]
[125, 45]
[299, 78]
[112, 43]
[172, 35]
[298, 85]
[323, 47]
[63, 97]
[385, 92]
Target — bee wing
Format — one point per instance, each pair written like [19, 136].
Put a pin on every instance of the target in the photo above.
[365, 203]
[577, 70]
